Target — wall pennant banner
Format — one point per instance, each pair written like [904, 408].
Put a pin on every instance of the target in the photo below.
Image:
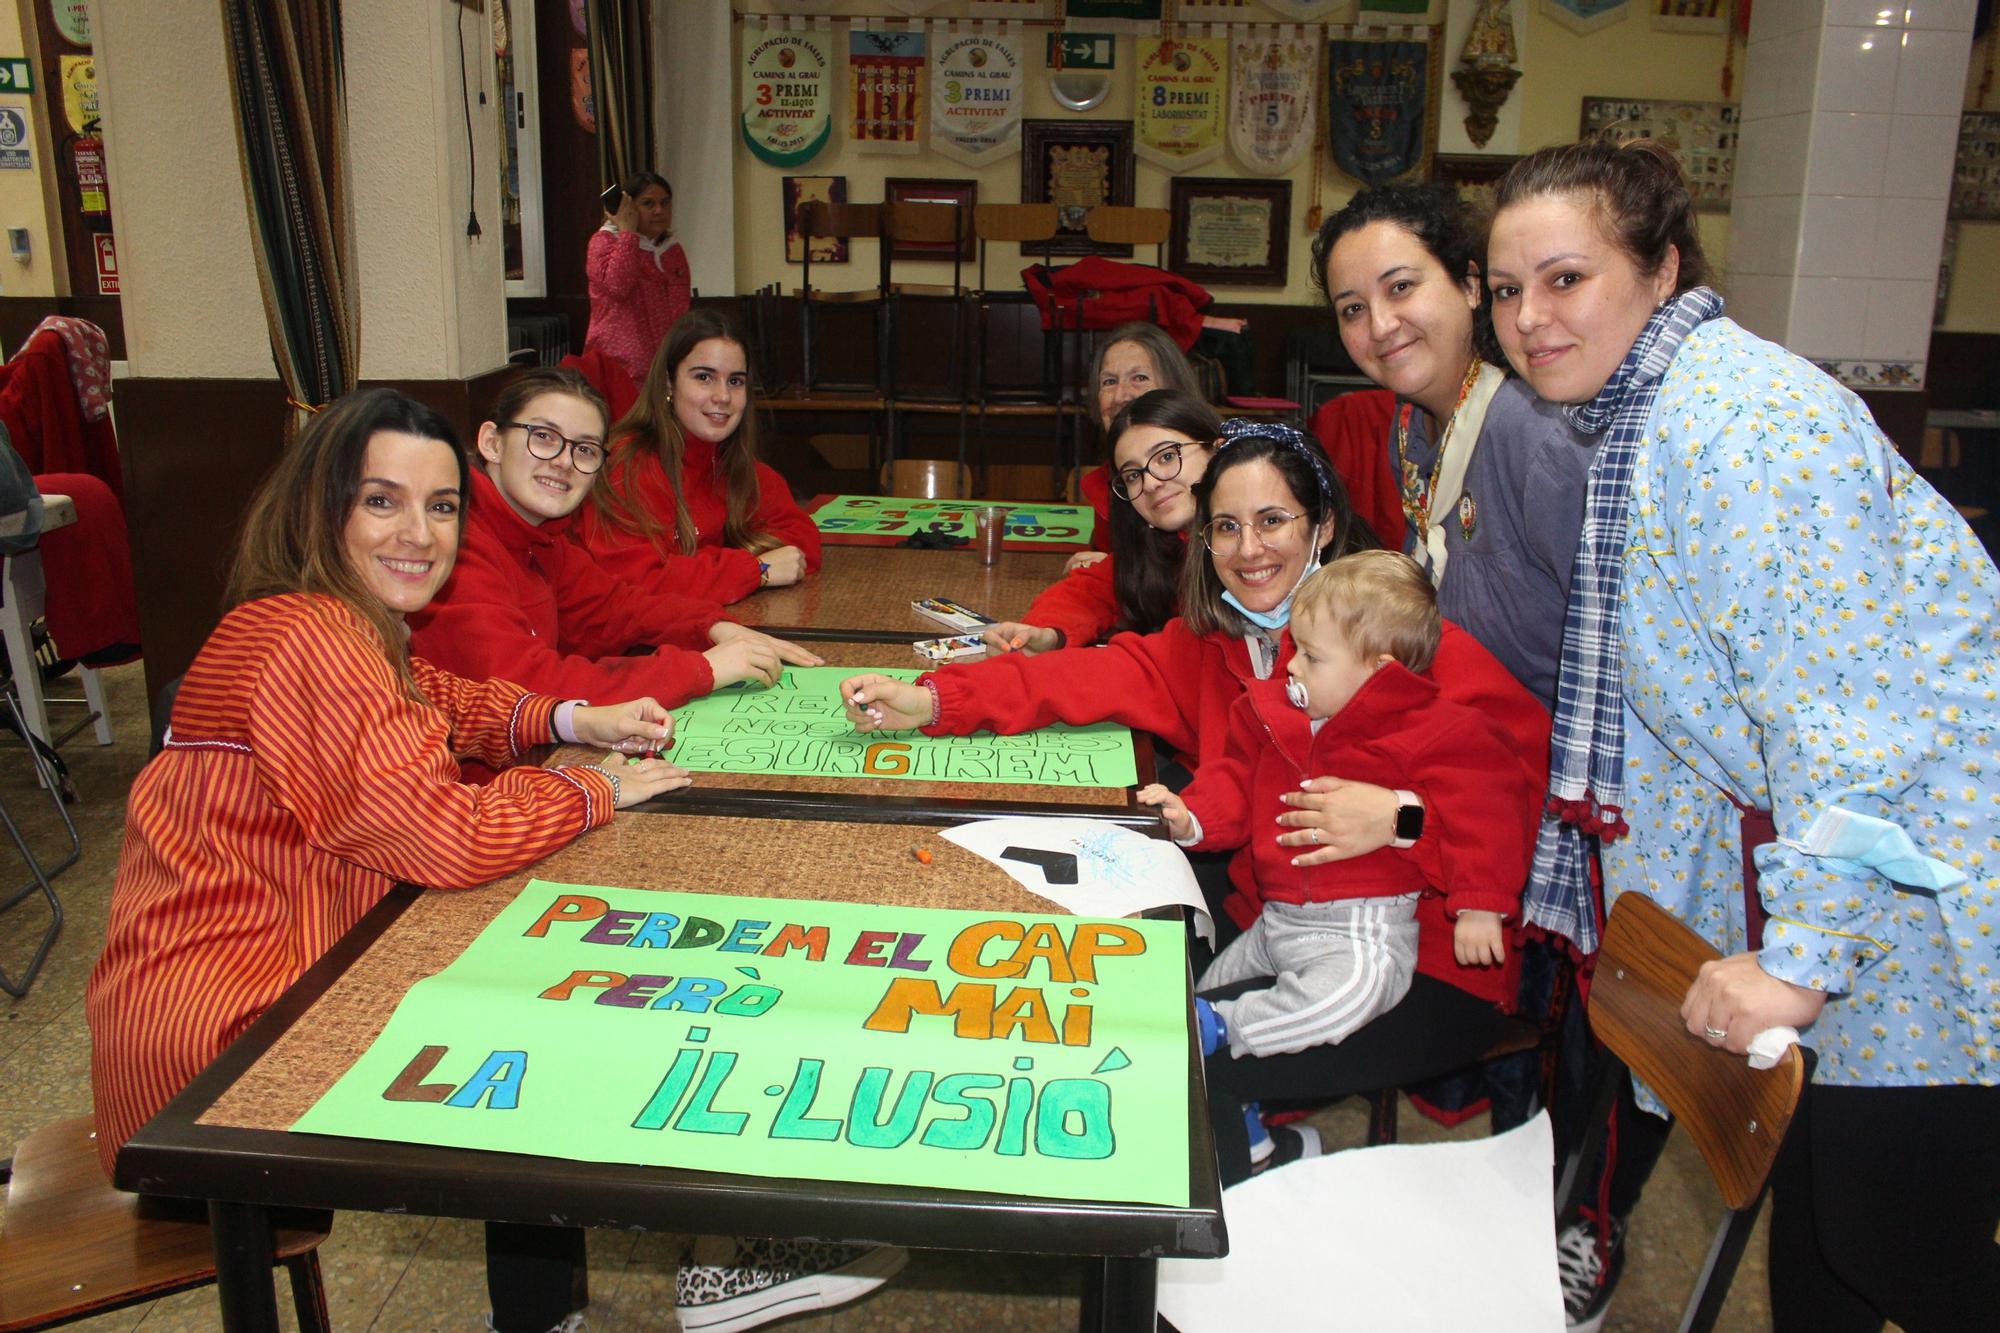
[787, 96]
[886, 97]
[1587, 15]
[1378, 102]
[976, 95]
[1182, 97]
[1272, 115]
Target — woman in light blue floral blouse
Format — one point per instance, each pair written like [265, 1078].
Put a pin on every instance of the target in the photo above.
[1772, 613]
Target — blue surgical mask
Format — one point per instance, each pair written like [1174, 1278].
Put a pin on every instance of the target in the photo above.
[1857, 844]
[1280, 615]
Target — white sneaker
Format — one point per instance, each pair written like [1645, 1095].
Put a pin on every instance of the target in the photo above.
[727, 1285]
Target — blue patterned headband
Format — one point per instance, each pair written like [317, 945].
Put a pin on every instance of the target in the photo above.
[1245, 428]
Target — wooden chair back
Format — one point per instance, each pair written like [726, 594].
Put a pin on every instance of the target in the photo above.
[1113, 224]
[1737, 1116]
[1023, 224]
[71, 1245]
[927, 479]
[1022, 481]
[817, 217]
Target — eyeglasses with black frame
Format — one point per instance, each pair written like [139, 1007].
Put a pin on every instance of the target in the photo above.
[1224, 535]
[547, 444]
[1164, 463]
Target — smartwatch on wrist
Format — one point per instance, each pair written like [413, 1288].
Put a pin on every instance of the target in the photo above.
[1409, 819]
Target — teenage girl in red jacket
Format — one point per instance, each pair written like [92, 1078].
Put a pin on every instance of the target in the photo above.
[685, 507]
[1180, 683]
[526, 604]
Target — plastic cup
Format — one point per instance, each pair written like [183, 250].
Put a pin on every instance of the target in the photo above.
[992, 530]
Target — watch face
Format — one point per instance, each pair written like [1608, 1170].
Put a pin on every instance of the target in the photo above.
[1409, 822]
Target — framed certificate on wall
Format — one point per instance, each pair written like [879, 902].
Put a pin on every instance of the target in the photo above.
[1077, 165]
[1231, 232]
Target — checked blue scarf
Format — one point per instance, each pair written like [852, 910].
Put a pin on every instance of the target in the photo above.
[1587, 749]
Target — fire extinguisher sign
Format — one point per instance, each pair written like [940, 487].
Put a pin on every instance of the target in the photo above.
[107, 264]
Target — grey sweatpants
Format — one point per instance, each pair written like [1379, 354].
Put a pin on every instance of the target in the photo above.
[1334, 967]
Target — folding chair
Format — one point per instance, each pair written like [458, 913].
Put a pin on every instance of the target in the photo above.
[39, 876]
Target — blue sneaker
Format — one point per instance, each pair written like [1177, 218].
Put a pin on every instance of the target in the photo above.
[1209, 1023]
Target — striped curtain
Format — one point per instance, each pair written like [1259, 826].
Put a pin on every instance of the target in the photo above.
[621, 82]
[291, 132]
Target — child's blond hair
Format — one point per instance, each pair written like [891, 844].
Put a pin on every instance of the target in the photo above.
[1376, 602]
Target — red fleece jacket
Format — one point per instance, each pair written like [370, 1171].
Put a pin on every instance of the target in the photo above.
[1180, 686]
[1083, 604]
[527, 605]
[717, 572]
[1481, 801]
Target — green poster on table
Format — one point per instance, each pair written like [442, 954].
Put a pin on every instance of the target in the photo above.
[1030, 1055]
[891, 518]
[797, 727]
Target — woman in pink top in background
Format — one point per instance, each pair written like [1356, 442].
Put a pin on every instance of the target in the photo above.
[638, 276]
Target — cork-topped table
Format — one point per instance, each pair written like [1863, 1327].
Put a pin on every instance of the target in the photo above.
[224, 1138]
[865, 592]
[890, 800]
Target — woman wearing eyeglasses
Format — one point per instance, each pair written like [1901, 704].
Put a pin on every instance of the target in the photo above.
[525, 604]
[1159, 448]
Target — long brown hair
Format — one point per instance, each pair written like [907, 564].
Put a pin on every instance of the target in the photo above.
[651, 425]
[1146, 562]
[294, 534]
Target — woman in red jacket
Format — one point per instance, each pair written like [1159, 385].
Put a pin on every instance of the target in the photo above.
[685, 507]
[1180, 684]
[525, 604]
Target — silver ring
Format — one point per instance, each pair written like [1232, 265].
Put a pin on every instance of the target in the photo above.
[1317, 836]
[1714, 1034]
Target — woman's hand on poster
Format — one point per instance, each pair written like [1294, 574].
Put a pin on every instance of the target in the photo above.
[1013, 637]
[881, 703]
[633, 727]
[642, 779]
[1734, 998]
[728, 631]
[1084, 560]
[1337, 819]
[737, 660]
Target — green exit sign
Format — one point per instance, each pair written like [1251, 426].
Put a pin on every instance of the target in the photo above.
[1082, 50]
[16, 75]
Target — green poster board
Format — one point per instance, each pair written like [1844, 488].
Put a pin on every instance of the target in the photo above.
[797, 727]
[1028, 1055]
[890, 519]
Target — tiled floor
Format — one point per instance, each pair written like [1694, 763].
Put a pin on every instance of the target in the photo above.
[398, 1273]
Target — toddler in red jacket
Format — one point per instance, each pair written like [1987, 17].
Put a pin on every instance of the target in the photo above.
[528, 605]
[1339, 941]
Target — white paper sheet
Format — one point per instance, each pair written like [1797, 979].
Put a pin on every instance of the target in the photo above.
[1415, 1237]
[1119, 870]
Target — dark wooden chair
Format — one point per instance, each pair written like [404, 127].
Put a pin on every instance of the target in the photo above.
[849, 222]
[927, 479]
[71, 1245]
[1736, 1116]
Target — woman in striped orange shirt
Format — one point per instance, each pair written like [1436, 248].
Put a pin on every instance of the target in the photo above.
[311, 764]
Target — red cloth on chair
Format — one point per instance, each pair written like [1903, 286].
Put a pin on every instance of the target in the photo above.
[1354, 431]
[1098, 293]
[609, 378]
[38, 403]
[87, 569]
